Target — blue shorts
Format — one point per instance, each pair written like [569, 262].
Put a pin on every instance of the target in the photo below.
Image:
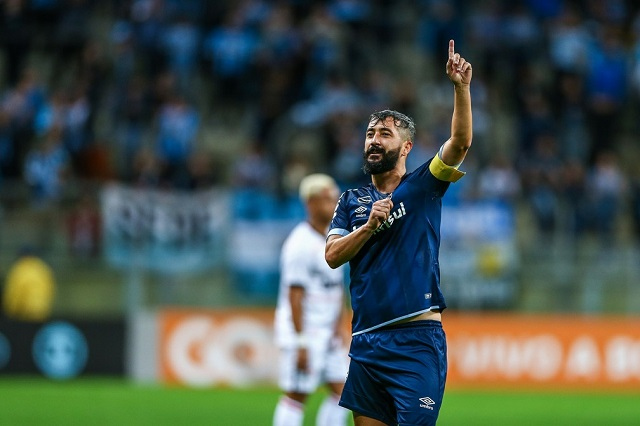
[397, 374]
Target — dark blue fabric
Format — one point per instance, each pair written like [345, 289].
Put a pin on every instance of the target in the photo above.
[397, 374]
[396, 273]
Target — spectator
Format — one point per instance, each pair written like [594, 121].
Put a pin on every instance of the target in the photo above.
[569, 40]
[535, 117]
[423, 148]
[148, 17]
[93, 76]
[607, 185]
[178, 124]
[606, 90]
[231, 51]
[255, 180]
[22, 102]
[482, 32]
[70, 36]
[203, 171]
[76, 132]
[325, 38]
[46, 171]
[575, 196]
[521, 34]
[132, 115]
[483, 121]
[499, 180]
[337, 96]
[84, 228]
[542, 182]
[124, 55]
[16, 36]
[254, 169]
[180, 43]
[282, 41]
[52, 113]
[437, 24]
[571, 118]
[45, 14]
[347, 159]
[7, 148]
[146, 169]
[46, 168]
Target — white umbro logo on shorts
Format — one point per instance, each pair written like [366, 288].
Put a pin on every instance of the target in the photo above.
[427, 402]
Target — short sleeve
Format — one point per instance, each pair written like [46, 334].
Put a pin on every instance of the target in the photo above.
[340, 222]
[295, 265]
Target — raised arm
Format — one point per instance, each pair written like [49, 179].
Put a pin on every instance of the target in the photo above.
[459, 72]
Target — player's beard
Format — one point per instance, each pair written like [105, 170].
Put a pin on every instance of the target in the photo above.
[387, 162]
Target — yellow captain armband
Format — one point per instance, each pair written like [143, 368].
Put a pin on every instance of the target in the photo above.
[443, 171]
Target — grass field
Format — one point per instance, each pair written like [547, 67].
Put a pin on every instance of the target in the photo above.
[95, 402]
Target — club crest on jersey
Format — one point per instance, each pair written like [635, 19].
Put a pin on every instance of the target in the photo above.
[395, 215]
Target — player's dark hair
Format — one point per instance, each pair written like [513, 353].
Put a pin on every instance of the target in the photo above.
[399, 119]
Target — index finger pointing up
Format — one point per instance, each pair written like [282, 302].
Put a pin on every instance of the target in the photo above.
[451, 49]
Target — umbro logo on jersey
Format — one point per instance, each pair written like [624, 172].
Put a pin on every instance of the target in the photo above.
[365, 200]
[361, 209]
[427, 403]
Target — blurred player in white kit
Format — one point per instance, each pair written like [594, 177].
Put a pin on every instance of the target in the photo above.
[308, 320]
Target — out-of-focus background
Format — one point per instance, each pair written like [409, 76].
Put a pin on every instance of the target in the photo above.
[150, 152]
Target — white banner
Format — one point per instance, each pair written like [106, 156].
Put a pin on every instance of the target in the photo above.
[164, 231]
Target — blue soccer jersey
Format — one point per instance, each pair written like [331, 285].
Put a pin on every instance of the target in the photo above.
[396, 274]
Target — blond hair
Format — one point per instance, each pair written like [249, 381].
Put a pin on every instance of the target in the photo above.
[314, 184]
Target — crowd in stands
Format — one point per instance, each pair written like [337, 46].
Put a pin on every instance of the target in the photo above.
[132, 86]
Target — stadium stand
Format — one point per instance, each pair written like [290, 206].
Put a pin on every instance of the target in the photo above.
[248, 96]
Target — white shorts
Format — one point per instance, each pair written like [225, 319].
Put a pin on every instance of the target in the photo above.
[328, 363]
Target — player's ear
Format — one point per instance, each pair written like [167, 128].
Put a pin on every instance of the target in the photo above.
[406, 147]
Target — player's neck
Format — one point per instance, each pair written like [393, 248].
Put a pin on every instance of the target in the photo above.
[387, 182]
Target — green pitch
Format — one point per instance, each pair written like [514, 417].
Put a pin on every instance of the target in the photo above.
[101, 402]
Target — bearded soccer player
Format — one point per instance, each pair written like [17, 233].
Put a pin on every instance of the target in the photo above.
[389, 232]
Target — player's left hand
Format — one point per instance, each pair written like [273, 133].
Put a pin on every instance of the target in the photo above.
[458, 69]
